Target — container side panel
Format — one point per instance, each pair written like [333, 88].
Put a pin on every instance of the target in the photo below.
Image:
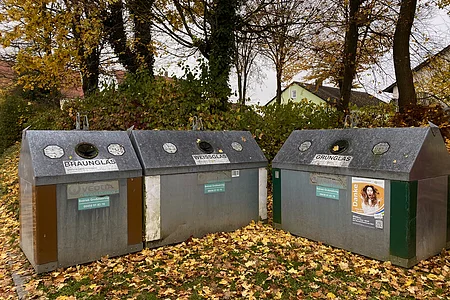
[27, 220]
[403, 219]
[46, 237]
[152, 208]
[134, 210]
[431, 216]
[276, 195]
[86, 234]
[263, 193]
[322, 211]
[190, 208]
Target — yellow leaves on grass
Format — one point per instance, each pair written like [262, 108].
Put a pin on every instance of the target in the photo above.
[254, 262]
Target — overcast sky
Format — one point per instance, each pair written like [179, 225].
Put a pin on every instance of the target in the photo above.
[264, 89]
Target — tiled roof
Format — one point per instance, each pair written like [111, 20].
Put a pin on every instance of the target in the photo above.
[332, 94]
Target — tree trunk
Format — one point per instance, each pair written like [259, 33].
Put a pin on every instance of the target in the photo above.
[223, 24]
[349, 57]
[240, 92]
[90, 72]
[116, 36]
[142, 34]
[89, 60]
[244, 89]
[279, 73]
[402, 62]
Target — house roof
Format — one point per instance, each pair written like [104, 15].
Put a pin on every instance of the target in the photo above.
[332, 94]
[390, 89]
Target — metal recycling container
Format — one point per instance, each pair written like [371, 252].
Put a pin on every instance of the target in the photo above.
[380, 192]
[199, 182]
[80, 197]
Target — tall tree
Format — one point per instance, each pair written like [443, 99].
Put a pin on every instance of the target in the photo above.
[349, 56]
[134, 49]
[352, 37]
[206, 26]
[285, 23]
[89, 55]
[116, 35]
[402, 63]
[223, 24]
[244, 57]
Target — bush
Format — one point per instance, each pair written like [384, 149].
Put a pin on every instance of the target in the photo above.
[14, 113]
[374, 116]
[280, 120]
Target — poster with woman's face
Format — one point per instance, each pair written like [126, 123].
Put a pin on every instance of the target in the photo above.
[367, 202]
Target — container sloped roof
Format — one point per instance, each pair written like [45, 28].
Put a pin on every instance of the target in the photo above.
[405, 154]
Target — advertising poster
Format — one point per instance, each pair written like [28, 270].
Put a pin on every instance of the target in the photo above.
[368, 202]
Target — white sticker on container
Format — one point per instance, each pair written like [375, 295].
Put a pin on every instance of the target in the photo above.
[170, 148]
[234, 173]
[331, 160]
[380, 148]
[116, 149]
[304, 146]
[236, 146]
[90, 166]
[53, 151]
[210, 159]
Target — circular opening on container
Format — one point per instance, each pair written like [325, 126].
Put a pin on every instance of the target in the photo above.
[339, 147]
[205, 147]
[86, 150]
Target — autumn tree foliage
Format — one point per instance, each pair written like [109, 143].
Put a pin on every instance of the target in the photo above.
[52, 40]
[55, 42]
[432, 83]
[351, 37]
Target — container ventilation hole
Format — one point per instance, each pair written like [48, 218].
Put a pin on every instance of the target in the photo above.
[86, 150]
[339, 147]
[206, 147]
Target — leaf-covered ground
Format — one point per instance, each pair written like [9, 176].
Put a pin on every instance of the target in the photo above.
[255, 262]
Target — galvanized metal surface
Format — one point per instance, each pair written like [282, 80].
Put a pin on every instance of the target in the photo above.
[183, 145]
[186, 210]
[329, 220]
[413, 154]
[39, 169]
[87, 235]
[431, 228]
[27, 220]
[81, 230]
